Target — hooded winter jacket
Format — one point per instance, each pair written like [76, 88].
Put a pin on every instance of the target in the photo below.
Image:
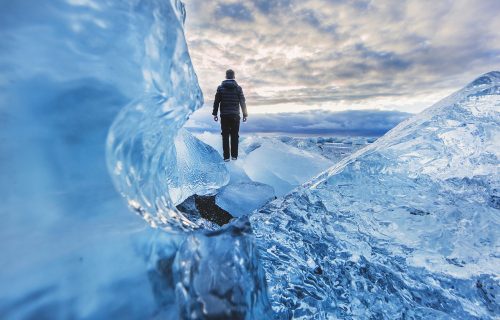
[229, 97]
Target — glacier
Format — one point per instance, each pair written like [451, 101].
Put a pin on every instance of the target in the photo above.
[93, 97]
[407, 227]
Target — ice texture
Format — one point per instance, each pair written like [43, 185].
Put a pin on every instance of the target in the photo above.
[242, 195]
[199, 168]
[280, 162]
[407, 227]
[333, 148]
[270, 166]
[70, 247]
[218, 276]
[155, 167]
[153, 164]
[281, 166]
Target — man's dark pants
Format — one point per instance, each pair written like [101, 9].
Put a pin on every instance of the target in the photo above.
[230, 125]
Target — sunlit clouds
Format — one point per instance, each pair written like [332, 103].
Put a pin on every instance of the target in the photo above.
[339, 55]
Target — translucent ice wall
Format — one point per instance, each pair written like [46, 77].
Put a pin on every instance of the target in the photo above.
[71, 65]
[151, 165]
[407, 227]
[69, 69]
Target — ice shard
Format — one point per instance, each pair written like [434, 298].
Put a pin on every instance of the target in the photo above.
[407, 227]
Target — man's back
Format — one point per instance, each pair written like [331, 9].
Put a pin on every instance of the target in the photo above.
[229, 97]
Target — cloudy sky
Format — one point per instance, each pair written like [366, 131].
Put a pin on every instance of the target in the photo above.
[337, 55]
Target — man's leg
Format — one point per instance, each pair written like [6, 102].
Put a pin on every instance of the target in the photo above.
[235, 129]
[225, 124]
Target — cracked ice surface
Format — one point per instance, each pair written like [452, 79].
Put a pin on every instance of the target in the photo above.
[406, 227]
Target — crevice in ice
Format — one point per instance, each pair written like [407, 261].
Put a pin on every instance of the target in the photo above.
[197, 207]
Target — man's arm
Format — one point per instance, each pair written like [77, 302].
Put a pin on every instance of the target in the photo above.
[216, 103]
[243, 103]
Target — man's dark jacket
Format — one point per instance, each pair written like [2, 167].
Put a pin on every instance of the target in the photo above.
[230, 96]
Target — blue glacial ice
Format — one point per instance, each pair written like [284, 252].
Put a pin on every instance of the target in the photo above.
[71, 70]
[242, 195]
[93, 96]
[282, 166]
[407, 227]
[270, 166]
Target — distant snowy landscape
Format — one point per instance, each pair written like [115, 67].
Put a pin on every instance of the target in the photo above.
[113, 208]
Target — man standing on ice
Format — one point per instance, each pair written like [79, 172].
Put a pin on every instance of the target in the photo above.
[230, 97]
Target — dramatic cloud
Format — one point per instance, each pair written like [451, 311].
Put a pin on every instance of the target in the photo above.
[292, 55]
[346, 123]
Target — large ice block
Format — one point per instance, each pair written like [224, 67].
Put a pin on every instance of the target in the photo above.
[407, 227]
[70, 248]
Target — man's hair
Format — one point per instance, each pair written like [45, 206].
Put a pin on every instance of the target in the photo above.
[229, 74]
